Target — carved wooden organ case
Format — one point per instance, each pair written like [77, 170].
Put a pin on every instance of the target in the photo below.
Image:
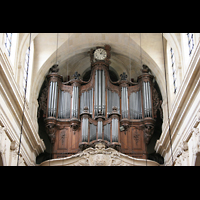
[120, 114]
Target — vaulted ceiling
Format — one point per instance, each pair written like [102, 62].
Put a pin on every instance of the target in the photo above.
[128, 52]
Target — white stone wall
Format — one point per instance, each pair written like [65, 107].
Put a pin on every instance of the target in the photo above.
[183, 118]
[11, 104]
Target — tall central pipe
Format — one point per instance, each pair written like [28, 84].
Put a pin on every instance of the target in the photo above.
[100, 105]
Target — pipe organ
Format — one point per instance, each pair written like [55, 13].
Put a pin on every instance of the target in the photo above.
[80, 113]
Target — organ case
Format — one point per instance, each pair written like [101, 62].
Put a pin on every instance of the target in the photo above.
[80, 113]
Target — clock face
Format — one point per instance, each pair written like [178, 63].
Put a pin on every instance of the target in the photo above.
[100, 54]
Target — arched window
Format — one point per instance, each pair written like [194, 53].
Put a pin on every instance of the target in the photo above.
[28, 69]
[190, 42]
[8, 42]
[173, 70]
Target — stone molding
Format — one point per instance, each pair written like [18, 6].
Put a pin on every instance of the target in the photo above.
[12, 96]
[183, 100]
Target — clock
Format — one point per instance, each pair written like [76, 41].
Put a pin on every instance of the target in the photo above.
[100, 54]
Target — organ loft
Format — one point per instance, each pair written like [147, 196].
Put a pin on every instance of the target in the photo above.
[79, 114]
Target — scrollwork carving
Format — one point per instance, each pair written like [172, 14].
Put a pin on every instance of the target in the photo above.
[54, 69]
[43, 101]
[51, 132]
[148, 132]
[157, 103]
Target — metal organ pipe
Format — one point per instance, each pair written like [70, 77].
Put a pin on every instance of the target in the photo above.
[99, 129]
[147, 99]
[131, 105]
[59, 106]
[49, 105]
[81, 104]
[124, 102]
[148, 91]
[96, 93]
[118, 108]
[97, 88]
[99, 92]
[69, 105]
[92, 132]
[135, 105]
[73, 102]
[112, 100]
[140, 104]
[135, 108]
[87, 100]
[53, 95]
[144, 99]
[64, 104]
[52, 99]
[91, 104]
[107, 132]
[114, 130]
[85, 130]
[108, 101]
[146, 94]
[103, 92]
[77, 101]
[90, 101]
[149, 95]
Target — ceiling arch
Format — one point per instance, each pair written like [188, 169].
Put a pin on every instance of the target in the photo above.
[72, 54]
